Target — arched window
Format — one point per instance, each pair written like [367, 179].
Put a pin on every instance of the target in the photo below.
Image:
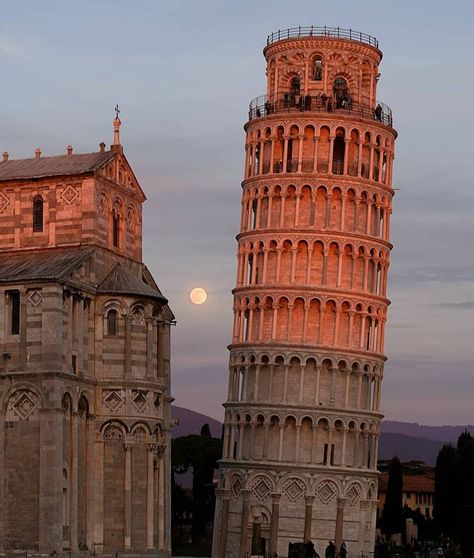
[112, 317]
[38, 214]
[340, 92]
[115, 229]
[295, 85]
[318, 69]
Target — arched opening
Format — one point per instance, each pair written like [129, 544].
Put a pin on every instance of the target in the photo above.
[338, 152]
[295, 87]
[250, 269]
[112, 317]
[318, 68]
[115, 229]
[278, 150]
[38, 214]
[292, 157]
[353, 153]
[254, 214]
[246, 325]
[340, 92]
[323, 150]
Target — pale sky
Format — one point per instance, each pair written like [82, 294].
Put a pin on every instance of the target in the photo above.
[183, 72]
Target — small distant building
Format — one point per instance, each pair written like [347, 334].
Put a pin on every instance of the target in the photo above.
[418, 486]
[84, 361]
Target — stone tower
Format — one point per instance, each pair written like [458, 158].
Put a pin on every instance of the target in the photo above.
[84, 361]
[306, 360]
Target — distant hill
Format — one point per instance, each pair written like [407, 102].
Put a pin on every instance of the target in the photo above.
[440, 433]
[408, 448]
[408, 440]
[191, 422]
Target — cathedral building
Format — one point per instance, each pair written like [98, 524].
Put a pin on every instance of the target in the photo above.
[302, 415]
[84, 361]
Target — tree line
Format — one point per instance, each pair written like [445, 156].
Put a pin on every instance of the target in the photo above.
[452, 525]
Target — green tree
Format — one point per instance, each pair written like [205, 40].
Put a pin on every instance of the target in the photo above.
[454, 493]
[446, 496]
[200, 454]
[391, 520]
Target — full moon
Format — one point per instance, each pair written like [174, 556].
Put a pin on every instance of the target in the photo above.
[198, 296]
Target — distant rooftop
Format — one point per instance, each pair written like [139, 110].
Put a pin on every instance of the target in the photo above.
[60, 165]
[312, 31]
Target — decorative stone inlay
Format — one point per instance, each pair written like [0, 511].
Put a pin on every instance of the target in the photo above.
[139, 398]
[113, 433]
[131, 216]
[237, 487]
[4, 202]
[69, 194]
[139, 435]
[326, 491]
[294, 490]
[22, 405]
[113, 399]
[103, 205]
[138, 316]
[262, 488]
[353, 494]
[35, 297]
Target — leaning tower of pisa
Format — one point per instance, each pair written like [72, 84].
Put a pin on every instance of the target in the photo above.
[310, 306]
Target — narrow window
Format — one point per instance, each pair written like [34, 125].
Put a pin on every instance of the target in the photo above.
[115, 230]
[246, 325]
[332, 454]
[74, 364]
[15, 312]
[112, 322]
[38, 214]
[325, 454]
[254, 213]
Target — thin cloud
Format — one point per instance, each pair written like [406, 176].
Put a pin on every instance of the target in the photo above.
[10, 48]
[463, 305]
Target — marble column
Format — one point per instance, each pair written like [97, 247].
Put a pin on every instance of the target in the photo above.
[274, 523]
[244, 522]
[341, 502]
[308, 517]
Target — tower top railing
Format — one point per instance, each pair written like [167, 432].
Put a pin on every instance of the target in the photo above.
[286, 103]
[313, 31]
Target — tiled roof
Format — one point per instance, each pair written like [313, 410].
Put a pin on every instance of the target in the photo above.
[411, 483]
[41, 265]
[60, 165]
[121, 281]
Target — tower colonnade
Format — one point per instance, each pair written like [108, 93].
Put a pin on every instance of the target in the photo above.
[303, 409]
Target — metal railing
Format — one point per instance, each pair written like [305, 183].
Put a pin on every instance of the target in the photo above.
[312, 31]
[262, 106]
